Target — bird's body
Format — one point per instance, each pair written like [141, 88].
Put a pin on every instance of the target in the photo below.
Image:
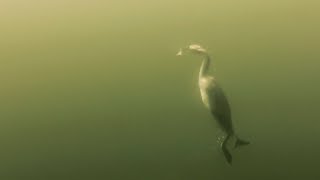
[215, 100]
[213, 97]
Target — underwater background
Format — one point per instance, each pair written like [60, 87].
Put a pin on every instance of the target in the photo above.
[93, 89]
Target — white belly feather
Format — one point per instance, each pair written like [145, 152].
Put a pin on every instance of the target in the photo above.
[207, 85]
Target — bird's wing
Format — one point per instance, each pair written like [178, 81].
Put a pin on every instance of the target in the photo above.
[221, 108]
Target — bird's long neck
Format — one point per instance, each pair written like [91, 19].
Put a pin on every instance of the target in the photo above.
[204, 66]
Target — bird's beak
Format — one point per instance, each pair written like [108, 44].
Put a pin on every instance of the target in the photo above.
[179, 53]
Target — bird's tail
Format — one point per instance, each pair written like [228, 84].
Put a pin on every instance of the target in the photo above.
[239, 142]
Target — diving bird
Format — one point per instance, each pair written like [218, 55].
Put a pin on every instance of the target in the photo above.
[214, 99]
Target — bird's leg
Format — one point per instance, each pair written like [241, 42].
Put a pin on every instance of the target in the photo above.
[225, 150]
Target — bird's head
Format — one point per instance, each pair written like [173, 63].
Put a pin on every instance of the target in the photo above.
[194, 49]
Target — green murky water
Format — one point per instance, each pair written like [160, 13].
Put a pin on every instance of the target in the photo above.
[93, 89]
